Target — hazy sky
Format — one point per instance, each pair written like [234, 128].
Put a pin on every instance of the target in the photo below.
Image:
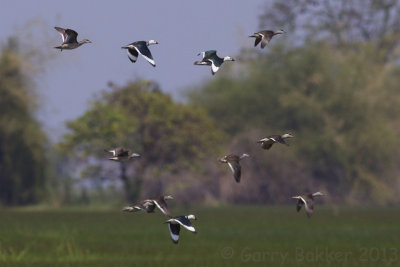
[182, 28]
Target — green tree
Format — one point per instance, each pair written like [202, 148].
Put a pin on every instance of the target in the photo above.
[23, 161]
[341, 22]
[171, 137]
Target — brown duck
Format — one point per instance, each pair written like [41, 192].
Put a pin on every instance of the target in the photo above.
[267, 142]
[265, 37]
[150, 204]
[233, 162]
[308, 201]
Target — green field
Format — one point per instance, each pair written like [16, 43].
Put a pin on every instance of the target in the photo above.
[227, 236]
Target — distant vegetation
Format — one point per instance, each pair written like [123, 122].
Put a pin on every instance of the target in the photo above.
[339, 105]
[332, 81]
[23, 163]
[173, 139]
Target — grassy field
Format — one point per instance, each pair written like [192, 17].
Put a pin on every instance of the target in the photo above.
[227, 236]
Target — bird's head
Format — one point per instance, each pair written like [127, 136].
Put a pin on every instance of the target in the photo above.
[191, 217]
[150, 42]
[223, 159]
[244, 155]
[85, 41]
[227, 58]
[287, 135]
[168, 197]
[134, 155]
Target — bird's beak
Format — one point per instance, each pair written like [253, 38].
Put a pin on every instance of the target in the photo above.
[125, 47]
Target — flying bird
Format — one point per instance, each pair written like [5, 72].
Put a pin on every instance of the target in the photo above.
[233, 162]
[174, 225]
[140, 47]
[150, 204]
[69, 39]
[265, 37]
[308, 201]
[121, 154]
[267, 142]
[210, 58]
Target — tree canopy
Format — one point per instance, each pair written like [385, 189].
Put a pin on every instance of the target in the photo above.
[23, 161]
[171, 137]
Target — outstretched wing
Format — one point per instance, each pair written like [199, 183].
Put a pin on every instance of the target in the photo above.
[299, 205]
[70, 36]
[236, 170]
[214, 67]
[174, 230]
[309, 208]
[265, 41]
[185, 222]
[132, 54]
[267, 36]
[207, 63]
[148, 205]
[257, 40]
[62, 33]
[162, 205]
[209, 53]
[133, 208]
[279, 139]
[145, 52]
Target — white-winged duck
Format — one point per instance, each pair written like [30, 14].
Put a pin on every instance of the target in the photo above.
[265, 36]
[233, 162]
[267, 142]
[210, 58]
[174, 225]
[69, 39]
[308, 201]
[140, 47]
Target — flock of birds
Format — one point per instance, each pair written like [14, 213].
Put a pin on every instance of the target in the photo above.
[209, 58]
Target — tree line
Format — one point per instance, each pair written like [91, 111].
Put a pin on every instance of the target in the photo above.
[331, 82]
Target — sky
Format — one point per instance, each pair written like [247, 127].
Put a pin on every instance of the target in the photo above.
[70, 79]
